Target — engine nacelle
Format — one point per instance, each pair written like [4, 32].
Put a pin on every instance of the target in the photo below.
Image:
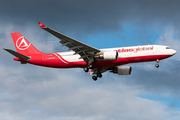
[113, 55]
[122, 70]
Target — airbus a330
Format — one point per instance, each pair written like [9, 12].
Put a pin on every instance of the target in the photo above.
[92, 60]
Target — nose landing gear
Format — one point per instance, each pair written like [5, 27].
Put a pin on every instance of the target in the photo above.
[157, 65]
[157, 61]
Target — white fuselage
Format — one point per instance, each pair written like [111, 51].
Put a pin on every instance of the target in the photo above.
[125, 52]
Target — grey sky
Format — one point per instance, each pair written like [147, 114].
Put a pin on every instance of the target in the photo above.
[33, 92]
[91, 15]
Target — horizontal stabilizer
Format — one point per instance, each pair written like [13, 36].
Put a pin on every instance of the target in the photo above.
[16, 54]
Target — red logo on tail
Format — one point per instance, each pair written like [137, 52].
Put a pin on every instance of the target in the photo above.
[22, 44]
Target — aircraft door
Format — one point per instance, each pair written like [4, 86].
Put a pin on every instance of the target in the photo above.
[44, 57]
[157, 49]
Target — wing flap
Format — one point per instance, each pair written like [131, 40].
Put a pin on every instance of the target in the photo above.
[66, 43]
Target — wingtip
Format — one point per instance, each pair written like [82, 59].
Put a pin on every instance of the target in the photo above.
[41, 25]
[5, 49]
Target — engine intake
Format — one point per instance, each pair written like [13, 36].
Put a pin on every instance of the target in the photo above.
[122, 70]
[113, 55]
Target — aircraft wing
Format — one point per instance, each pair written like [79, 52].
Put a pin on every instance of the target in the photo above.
[85, 51]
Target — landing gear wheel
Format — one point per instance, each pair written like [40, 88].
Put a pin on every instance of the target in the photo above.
[99, 75]
[90, 66]
[157, 65]
[94, 78]
[86, 69]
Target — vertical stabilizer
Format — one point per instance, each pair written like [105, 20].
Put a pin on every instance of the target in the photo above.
[23, 46]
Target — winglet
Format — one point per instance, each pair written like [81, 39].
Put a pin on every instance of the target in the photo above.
[41, 25]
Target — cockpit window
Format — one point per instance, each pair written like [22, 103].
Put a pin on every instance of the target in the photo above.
[168, 48]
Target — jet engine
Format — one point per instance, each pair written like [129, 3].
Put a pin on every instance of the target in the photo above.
[122, 70]
[113, 55]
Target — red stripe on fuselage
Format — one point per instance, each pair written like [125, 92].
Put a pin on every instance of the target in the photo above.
[53, 60]
[61, 58]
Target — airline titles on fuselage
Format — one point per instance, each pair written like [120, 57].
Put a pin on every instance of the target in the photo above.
[135, 50]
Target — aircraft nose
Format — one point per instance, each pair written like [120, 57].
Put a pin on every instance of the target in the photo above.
[173, 52]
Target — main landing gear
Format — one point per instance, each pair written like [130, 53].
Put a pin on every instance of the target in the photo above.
[90, 66]
[86, 69]
[157, 61]
[95, 77]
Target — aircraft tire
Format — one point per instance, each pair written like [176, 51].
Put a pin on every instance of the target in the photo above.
[157, 65]
[90, 66]
[86, 69]
[99, 75]
[94, 78]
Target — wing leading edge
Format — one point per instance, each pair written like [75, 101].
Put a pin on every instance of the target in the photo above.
[85, 51]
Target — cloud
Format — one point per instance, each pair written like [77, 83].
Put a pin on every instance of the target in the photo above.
[42, 93]
[170, 37]
[33, 92]
[161, 81]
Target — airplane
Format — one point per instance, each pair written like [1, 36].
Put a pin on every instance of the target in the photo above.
[92, 60]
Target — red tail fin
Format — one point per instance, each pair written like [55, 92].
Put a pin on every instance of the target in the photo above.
[23, 46]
